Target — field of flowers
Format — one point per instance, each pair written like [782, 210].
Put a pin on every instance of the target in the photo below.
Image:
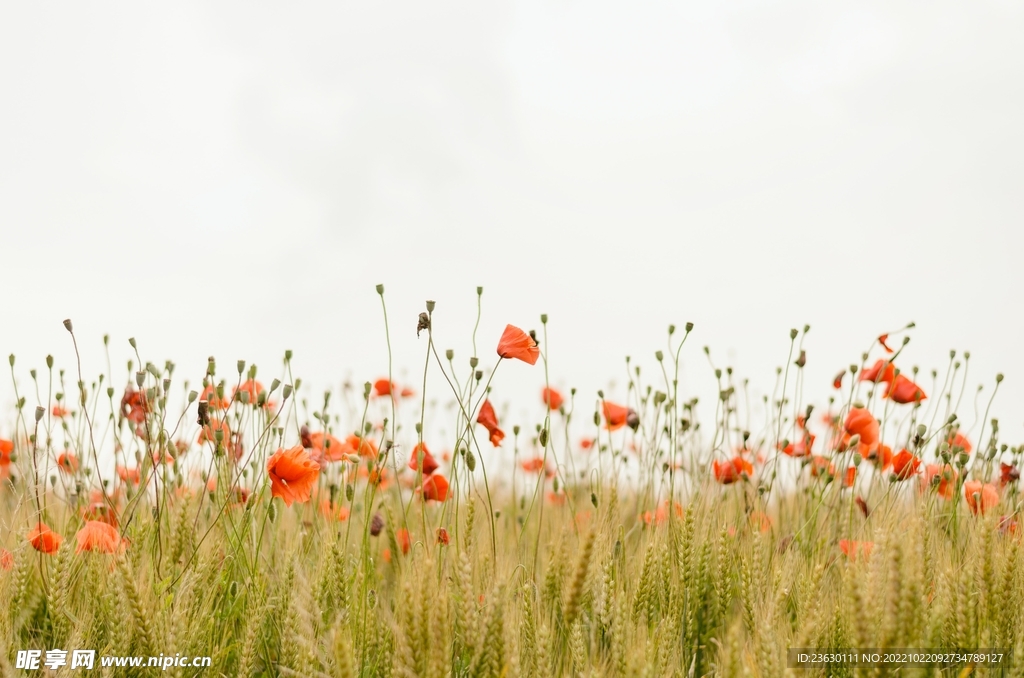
[363, 533]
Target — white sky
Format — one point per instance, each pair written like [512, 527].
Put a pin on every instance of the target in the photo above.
[234, 178]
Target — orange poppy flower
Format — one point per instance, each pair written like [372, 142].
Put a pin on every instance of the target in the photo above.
[837, 381]
[732, 470]
[947, 479]
[210, 396]
[861, 422]
[556, 498]
[128, 474]
[660, 516]
[820, 466]
[881, 371]
[67, 462]
[882, 339]
[293, 473]
[333, 510]
[587, 443]
[850, 476]
[489, 420]
[903, 391]
[435, 488]
[45, 540]
[800, 448]
[614, 415]
[881, 456]
[383, 387]
[532, 465]
[98, 536]
[1008, 474]
[980, 497]
[404, 543]
[253, 388]
[442, 537]
[6, 450]
[209, 432]
[6, 560]
[364, 447]
[515, 343]
[959, 440]
[59, 412]
[850, 548]
[762, 521]
[552, 398]
[429, 464]
[329, 448]
[905, 465]
[378, 477]
[99, 511]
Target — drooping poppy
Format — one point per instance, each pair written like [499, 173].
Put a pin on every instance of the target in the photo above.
[850, 548]
[837, 381]
[97, 536]
[44, 540]
[435, 488]
[732, 470]
[903, 391]
[293, 473]
[981, 497]
[863, 506]
[881, 371]
[1008, 474]
[946, 479]
[552, 398]
[489, 420]
[429, 464]
[515, 343]
[905, 465]
[614, 415]
[67, 462]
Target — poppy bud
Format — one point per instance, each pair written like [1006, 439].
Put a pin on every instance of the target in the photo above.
[49, 362]
[32, 373]
[10, 359]
[597, 419]
[380, 290]
[793, 333]
[449, 354]
[963, 459]
[857, 459]
[243, 396]
[470, 461]
[479, 291]
[151, 368]
[802, 360]
[349, 491]
[671, 330]
[999, 377]
[543, 438]
[658, 355]
[633, 419]
[593, 499]
[854, 440]
[67, 325]
[110, 391]
[261, 399]
[376, 524]
[554, 484]
[479, 375]
[272, 512]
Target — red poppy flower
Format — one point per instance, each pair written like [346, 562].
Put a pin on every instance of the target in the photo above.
[552, 398]
[820, 466]
[209, 432]
[800, 448]
[59, 412]
[761, 520]
[850, 548]
[383, 387]
[882, 339]
[489, 420]
[364, 447]
[329, 448]
[905, 465]
[128, 474]
[442, 537]
[253, 388]
[429, 463]
[837, 381]
[881, 456]
[515, 343]
[947, 479]
[532, 465]
[980, 497]
[293, 473]
[6, 560]
[98, 536]
[614, 415]
[45, 540]
[861, 422]
[6, 450]
[732, 470]
[863, 506]
[903, 391]
[435, 488]
[850, 476]
[556, 498]
[881, 371]
[134, 406]
[67, 462]
[1008, 474]
[959, 440]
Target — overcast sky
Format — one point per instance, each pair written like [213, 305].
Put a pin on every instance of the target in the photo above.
[234, 178]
